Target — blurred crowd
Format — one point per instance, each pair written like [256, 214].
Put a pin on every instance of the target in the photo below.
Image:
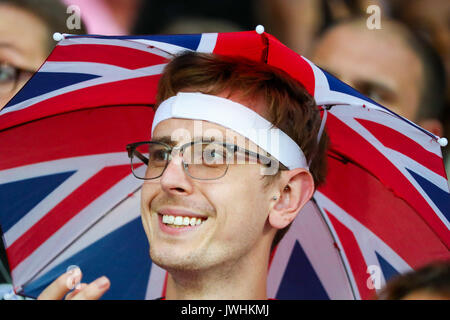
[402, 60]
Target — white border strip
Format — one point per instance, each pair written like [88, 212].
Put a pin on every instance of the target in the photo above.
[85, 167]
[207, 42]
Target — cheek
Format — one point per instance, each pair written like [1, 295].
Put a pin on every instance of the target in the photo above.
[149, 191]
[241, 210]
[5, 98]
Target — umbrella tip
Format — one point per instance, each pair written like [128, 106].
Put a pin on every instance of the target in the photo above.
[442, 142]
[58, 36]
[259, 29]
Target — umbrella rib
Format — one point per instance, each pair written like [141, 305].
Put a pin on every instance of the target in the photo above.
[33, 277]
[345, 160]
[265, 50]
[4, 272]
[339, 250]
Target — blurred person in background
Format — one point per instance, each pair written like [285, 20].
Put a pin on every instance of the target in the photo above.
[431, 282]
[297, 23]
[389, 65]
[26, 39]
[430, 19]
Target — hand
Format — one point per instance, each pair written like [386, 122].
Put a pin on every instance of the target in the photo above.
[83, 291]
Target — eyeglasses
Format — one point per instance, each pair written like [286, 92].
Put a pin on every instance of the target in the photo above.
[11, 77]
[201, 160]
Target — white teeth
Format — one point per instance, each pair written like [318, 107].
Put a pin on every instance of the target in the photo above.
[182, 221]
[178, 221]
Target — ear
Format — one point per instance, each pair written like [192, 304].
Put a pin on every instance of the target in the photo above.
[432, 125]
[295, 189]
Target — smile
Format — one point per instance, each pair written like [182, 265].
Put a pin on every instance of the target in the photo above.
[181, 221]
[175, 221]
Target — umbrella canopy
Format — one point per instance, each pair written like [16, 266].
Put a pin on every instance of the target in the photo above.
[67, 196]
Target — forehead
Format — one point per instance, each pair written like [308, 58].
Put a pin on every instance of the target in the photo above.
[180, 131]
[398, 62]
[25, 40]
[186, 130]
[177, 132]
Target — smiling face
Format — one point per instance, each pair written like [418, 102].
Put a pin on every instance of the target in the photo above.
[233, 209]
[22, 45]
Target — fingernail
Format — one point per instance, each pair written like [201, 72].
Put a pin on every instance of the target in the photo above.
[74, 277]
[102, 282]
[74, 270]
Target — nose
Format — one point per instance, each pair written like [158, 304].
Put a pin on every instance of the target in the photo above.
[174, 180]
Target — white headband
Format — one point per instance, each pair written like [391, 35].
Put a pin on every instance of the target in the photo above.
[237, 117]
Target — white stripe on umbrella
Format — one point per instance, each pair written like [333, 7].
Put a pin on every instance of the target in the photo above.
[311, 231]
[107, 73]
[85, 167]
[368, 242]
[349, 119]
[72, 230]
[119, 216]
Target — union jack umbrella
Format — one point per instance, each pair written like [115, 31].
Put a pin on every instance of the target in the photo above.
[67, 195]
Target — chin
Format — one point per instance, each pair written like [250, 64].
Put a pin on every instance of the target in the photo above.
[172, 260]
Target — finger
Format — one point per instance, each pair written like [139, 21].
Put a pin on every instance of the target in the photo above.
[63, 284]
[94, 290]
[77, 289]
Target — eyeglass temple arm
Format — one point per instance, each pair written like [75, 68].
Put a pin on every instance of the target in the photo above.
[265, 160]
[143, 158]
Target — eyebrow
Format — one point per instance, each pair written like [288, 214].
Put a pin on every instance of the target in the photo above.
[9, 46]
[168, 140]
[12, 61]
[374, 84]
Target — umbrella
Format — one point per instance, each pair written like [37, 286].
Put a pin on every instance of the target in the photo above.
[67, 196]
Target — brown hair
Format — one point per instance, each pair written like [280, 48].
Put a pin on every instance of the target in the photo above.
[289, 106]
[433, 278]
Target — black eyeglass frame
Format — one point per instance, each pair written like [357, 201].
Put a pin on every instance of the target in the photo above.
[131, 149]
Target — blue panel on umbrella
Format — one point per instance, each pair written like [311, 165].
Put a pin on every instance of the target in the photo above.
[388, 270]
[19, 197]
[440, 198]
[43, 82]
[339, 86]
[122, 256]
[188, 41]
[300, 281]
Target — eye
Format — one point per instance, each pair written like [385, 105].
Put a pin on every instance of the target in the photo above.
[214, 155]
[7, 73]
[159, 155]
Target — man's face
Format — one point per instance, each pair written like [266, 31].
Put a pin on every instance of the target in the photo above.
[375, 63]
[22, 46]
[234, 209]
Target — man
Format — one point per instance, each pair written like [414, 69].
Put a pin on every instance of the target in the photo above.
[389, 65]
[212, 217]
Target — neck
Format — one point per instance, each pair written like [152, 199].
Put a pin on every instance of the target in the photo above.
[242, 279]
